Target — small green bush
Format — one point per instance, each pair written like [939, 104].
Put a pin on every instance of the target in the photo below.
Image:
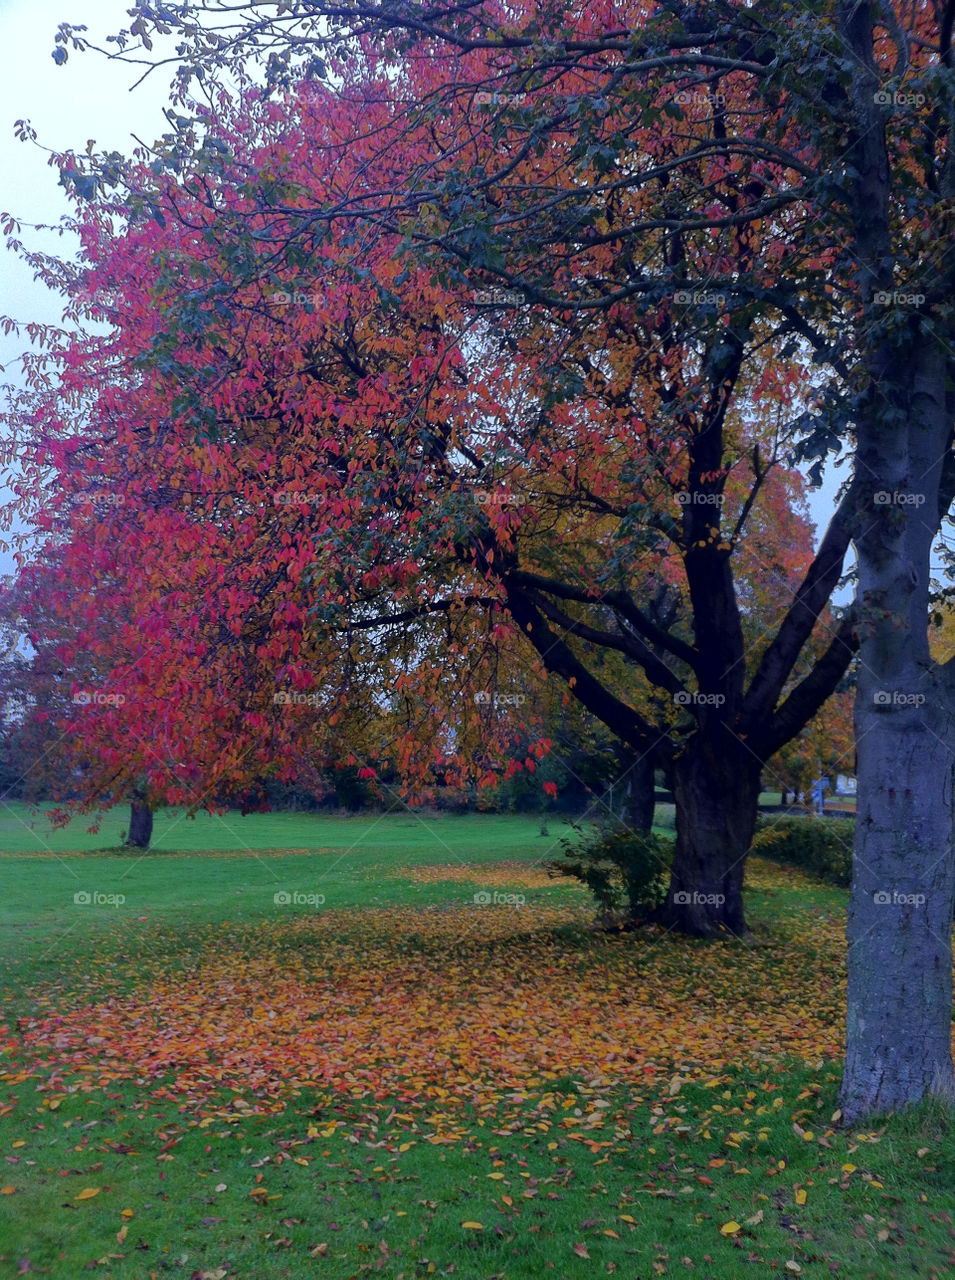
[820, 846]
[626, 871]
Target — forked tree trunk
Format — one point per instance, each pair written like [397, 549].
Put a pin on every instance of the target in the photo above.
[716, 789]
[140, 825]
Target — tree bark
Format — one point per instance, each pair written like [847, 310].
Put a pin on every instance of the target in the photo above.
[716, 788]
[140, 825]
[899, 1009]
[640, 798]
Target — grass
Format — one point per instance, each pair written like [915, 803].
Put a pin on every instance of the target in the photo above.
[403, 1082]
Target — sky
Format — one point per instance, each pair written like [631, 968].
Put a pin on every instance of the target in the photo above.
[89, 98]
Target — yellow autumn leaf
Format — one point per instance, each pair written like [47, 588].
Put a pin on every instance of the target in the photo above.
[729, 1228]
[88, 1193]
[801, 1196]
[473, 1226]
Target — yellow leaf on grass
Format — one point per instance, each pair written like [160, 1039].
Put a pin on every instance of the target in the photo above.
[625, 1217]
[88, 1193]
[122, 1233]
[126, 1213]
[801, 1196]
[7, 1191]
[729, 1228]
[613, 1235]
[495, 1175]
[848, 1168]
[473, 1226]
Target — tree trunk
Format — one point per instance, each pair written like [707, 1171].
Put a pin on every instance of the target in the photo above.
[716, 789]
[899, 1024]
[899, 1007]
[899, 1014]
[140, 825]
[640, 798]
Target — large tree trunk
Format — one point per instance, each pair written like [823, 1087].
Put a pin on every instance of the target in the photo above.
[140, 825]
[899, 1016]
[899, 1028]
[716, 789]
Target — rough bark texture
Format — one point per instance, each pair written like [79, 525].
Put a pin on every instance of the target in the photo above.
[717, 791]
[899, 1015]
[140, 825]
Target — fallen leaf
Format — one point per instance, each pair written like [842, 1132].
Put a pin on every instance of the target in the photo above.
[88, 1193]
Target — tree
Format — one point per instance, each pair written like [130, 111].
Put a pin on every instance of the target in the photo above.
[644, 443]
[823, 140]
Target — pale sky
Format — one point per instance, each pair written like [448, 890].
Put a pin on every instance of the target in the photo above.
[88, 97]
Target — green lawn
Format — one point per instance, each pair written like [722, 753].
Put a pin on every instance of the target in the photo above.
[413, 1077]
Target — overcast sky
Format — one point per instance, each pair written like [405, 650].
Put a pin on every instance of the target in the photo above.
[87, 98]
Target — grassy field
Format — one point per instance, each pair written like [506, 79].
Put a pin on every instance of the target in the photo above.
[395, 1047]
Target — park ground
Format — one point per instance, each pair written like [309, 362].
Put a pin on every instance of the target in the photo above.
[289, 1045]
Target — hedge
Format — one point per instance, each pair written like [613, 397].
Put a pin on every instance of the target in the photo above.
[820, 846]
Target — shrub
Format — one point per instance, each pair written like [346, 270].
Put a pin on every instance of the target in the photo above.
[626, 871]
[821, 846]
